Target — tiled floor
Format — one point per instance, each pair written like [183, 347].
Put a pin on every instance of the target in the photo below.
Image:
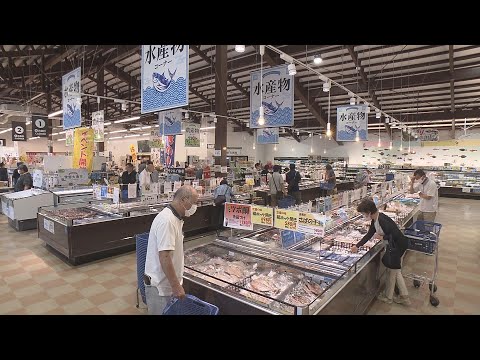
[34, 281]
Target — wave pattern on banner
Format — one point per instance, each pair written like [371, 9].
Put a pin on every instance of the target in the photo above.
[264, 139]
[72, 121]
[346, 136]
[283, 117]
[175, 129]
[175, 95]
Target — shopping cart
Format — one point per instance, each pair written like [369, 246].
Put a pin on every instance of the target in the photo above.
[286, 202]
[190, 305]
[423, 237]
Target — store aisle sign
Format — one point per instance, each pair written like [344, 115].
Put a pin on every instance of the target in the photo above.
[69, 137]
[238, 216]
[311, 223]
[267, 136]
[71, 99]
[98, 126]
[262, 215]
[276, 97]
[170, 122]
[83, 149]
[19, 131]
[286, 219]
[40, 126]
[217, 152]
[192, 135]
[210, 146]
[350, 119]
[164, 77]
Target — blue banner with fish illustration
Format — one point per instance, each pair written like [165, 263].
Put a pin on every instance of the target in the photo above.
[170, 122]
[164, 77]
[352, 120]
[267, 136]
[276, 97]
[71, 99]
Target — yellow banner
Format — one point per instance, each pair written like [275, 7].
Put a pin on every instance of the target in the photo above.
[286, 219]
[83, 149]
[262, 215]
[133, 153]
[311, 223]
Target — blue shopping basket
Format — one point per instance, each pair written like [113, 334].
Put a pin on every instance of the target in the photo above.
[423, 236]
[141, 243]
[190, 305]
[286, 202]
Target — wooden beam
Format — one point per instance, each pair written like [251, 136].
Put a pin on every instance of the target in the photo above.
[122, 75]
[34, 52]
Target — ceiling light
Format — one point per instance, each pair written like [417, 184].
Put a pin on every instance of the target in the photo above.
[284, 131]
[124, 107]
[352, 100]
[253, 147]
[357, 136]
[293, 148]
[329, 131]
[187, 115]
[118, 131]
[126, 120]
[378, 114]
[275, 147]
[298, 133]
[291, 69]
[107, 123]
[311, 150]
[379, 144]
[326, 86]
[324, 151]
[261, 119]
[115, 137]
[391, 144]
[310, 135]
[55, 113]
[387, 120]
[207, 128]
[240, 48]
[35, 137]
[317, 59]
[61, 139]
[134, 135]
[215, 119]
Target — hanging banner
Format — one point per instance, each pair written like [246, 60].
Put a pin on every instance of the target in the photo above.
[40, 126]
[286, 219]
[350, 119]
[428, 134]
[83, 149]
[238, 216]
[167, 155]
[192, 135]
[156, 140]
[262, 215]
[311, 223]
[72, 103]
[164, 77]
[156, 157]
[170, 122]
[69, 137]
[19, 131]
[276, 99]
[267, 136]
[98, 126]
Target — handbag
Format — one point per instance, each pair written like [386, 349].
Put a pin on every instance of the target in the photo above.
[392, 258]
[220, 199]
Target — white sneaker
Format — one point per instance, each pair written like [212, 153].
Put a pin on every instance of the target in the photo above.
[383, 298]
[402, 299]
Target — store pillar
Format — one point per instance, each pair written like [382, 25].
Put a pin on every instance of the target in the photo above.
[221, 105]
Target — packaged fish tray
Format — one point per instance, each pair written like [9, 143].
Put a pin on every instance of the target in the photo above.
[338, 257]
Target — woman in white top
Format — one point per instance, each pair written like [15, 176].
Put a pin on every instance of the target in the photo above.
[277, 187]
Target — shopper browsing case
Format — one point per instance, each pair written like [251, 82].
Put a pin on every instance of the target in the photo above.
[428, 192]
[277, 187]
[165, 258]
[293, 179]
[222, 194]
[25, 181]
[129, 176]
[148, 176]
[384, 227]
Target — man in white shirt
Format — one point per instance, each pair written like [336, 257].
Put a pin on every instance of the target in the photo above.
[148, 176]
[428, 192]
[164, 262]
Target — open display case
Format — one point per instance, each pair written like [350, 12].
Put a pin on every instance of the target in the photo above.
[71, 196]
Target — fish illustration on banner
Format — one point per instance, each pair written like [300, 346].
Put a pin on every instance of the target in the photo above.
[350, 120]
[71, 103]
[276, 97]
[267, 136]
[164, 77]
[170, 122]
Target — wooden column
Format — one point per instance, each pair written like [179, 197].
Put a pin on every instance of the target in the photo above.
[101, 106]
[452, 90]
[221, 105]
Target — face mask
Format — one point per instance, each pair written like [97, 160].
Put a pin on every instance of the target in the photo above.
[190, 211]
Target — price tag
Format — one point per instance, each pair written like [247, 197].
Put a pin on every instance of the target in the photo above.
[49, 225]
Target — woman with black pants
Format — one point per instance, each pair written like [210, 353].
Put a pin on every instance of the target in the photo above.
[384, 227]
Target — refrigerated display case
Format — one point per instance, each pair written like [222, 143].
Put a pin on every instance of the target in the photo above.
[70, 196]
[21, 207]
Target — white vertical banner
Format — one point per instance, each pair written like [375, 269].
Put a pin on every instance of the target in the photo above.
[98, 126]
[156, 159]
[192, 135]
[71, 99]
[164, 77]
[277, 98]
[351, 119]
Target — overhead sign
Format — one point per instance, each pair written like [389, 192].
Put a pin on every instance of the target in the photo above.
[238, 216]
[98, 126]
[164, 77]
[211, 146]
[267, 136]
[19, 131]
[192, 135]
[352, 119]
[40, 126]
[233, 151]
[170, 122]
[71, 99]
[276, 97]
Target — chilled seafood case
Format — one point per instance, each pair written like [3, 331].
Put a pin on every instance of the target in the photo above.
[267, 271]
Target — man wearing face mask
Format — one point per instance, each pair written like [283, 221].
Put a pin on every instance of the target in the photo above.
[165, 258]
[428, 191]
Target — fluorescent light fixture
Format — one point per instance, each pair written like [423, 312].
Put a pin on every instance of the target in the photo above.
[126, 120]
[115, 137]
[253, 147]
[61, 139]
[292, 70]
[62, 132]
[28, 123]
[145, 134]
[326, 86]
[118, 131]
[124, 107]
[357, 136]
[107, 123]
[183, 130]
[240, 48]
[53, 134]
[208, 128]
[261, 119]
[378, 115]
[55, 113]
[4, 131]
[34, 138]
[134, 135]
[187, 115]
[317, 59]
[311, 150]
[310, 135]
[329, 131]
[391, 144]
[275, 147]
[352, 100]
[379, 144]
[324, 151]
